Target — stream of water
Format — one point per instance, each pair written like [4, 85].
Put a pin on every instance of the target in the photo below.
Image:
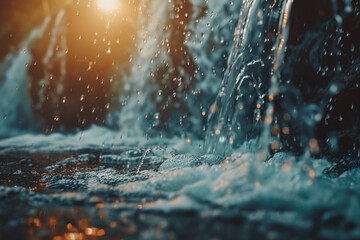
[246, 128]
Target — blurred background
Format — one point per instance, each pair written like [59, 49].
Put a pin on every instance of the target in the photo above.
[155, 68]
[145, 64]
[71, 74]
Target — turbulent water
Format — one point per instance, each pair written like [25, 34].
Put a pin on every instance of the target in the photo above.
[191, 157]
[74, 179]
[252, 75]
[284, 86]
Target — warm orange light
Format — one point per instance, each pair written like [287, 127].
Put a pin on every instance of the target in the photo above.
[275, 130]
[287, 166]
[214, 108]
[312, 173]
[91, 231]
[108, 5]
[74, 236]
[286, 130]
[101, 232]
[314, 146]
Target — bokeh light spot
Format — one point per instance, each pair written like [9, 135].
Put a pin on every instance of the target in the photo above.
[107, 5]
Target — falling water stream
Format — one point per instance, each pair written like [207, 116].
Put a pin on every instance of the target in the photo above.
[17, 115]
[248, 129]
[251, 77]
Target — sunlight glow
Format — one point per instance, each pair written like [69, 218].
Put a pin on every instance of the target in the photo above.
[107, 5]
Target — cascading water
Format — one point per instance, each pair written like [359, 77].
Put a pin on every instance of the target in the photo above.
[140, 84]
[173, 67]
[288, 96]
[18, 110]
[59, 93]
[250, 78]
[265, 99]
[15, 108]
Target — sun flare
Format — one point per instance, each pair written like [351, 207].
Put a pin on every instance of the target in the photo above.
[107, 5]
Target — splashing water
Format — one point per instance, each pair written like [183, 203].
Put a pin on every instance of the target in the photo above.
[266, 173]
[250, 78]
[15, 109]
[264, 98]
[180, 87]
[152, 149]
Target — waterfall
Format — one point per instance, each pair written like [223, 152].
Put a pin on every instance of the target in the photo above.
[251, 76]
[168, 91]
[136, 108]
[288, 76]
[272, 86]
[281, 82]
[15, 107]
[161, 89]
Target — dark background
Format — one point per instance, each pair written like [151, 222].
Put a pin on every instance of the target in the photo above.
[18, 17]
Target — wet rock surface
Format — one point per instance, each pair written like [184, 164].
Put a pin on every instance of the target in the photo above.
[287, 129]
[100, 194]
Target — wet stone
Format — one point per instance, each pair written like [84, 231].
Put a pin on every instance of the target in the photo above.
[211, 159]
[180, 161]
